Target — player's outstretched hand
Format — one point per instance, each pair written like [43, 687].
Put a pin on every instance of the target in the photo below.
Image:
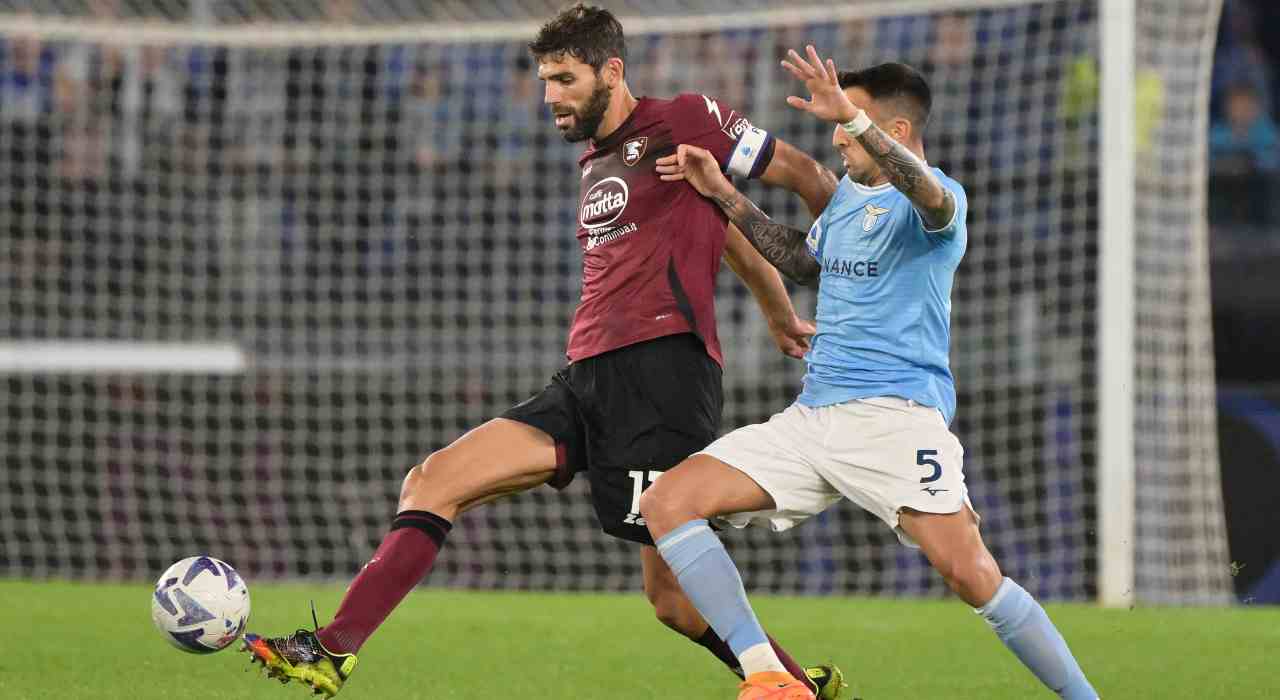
[698, 167]
[827, 101]
[793, 336]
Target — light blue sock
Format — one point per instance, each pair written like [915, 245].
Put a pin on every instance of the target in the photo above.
[1025, 628]
[709, 578]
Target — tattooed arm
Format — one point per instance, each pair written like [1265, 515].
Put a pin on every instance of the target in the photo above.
[911, 176]
[784, 247]
[790, 332]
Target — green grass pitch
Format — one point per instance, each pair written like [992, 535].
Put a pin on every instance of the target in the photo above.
[70, 641]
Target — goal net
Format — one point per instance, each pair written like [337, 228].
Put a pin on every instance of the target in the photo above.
[254, 272]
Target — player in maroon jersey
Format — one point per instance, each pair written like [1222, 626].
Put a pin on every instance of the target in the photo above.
[642, 388]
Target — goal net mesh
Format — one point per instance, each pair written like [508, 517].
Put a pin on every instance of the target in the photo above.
[383, 225]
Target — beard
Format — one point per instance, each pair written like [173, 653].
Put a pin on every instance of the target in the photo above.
[861, 171]
[587, 120]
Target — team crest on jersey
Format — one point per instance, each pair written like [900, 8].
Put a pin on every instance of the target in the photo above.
[633, 150]
[873, 214]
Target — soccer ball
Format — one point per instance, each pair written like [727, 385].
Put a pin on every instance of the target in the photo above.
[200, 605]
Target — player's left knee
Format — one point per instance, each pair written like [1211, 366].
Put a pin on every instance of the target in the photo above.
[661, 506]
[974, 577]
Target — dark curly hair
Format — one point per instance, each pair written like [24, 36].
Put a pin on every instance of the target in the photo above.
[588, 33]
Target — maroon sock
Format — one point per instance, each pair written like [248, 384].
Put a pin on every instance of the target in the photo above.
[721, 650]
[793, 668]
[402, 560]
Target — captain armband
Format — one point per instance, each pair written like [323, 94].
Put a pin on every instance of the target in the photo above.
[752, 153]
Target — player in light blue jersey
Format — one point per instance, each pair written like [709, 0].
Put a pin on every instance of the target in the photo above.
[872, 422]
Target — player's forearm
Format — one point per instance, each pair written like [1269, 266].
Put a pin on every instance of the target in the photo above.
[793, 169]
[760, 277]
[911, 176]
[783, 246]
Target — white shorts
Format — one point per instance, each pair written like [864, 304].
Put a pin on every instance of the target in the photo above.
[884, 454]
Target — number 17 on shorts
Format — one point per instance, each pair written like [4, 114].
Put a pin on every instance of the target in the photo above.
[640, 480]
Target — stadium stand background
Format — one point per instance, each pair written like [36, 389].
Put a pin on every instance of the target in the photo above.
[1244, 219]
[187, 112]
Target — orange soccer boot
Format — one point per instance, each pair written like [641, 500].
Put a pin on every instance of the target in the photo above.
[772, 685]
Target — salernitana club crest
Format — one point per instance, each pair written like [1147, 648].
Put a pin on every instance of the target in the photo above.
[633, 150]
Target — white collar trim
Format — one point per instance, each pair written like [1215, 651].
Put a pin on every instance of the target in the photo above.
[863, 189]
[878, 188]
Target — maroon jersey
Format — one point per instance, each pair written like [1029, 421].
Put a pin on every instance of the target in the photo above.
[651, 249]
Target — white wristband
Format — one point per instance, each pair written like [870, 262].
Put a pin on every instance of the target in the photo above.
[860, 123]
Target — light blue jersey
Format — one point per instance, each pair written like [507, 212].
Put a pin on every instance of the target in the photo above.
[884, 299]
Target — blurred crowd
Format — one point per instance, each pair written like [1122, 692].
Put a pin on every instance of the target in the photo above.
[325, 163]
[387, 229]
[1244, 186]
[1244, 141]
[382, 203]
[104, 110]
[340, 154]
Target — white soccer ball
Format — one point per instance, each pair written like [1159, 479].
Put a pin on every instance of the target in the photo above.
[200, 605]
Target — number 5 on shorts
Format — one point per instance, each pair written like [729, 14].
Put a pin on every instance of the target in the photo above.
[922, 458]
